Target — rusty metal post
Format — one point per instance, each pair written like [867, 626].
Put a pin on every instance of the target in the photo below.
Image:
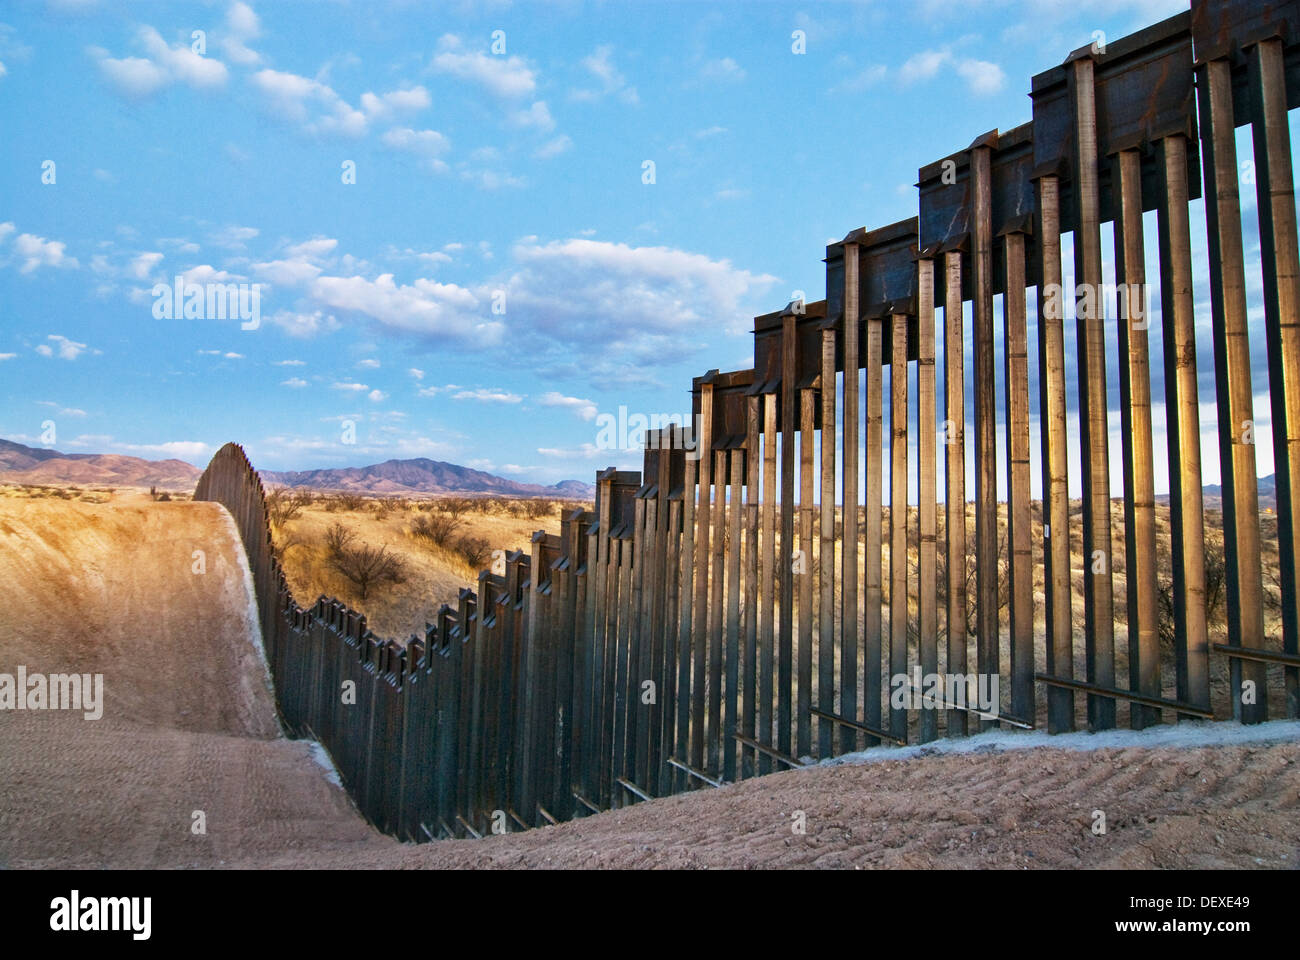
[986, 464]
[687, 580]
[927, 600]
[873, 522]
[736, 511]
[1139, 472]
[849, 547]
[826, 550]
[954, 412]
[699, 632]
[767, 581]
[748, 721]
[785, 661]
[1281, 265]
[1020, 572]
[1053, 427]
[717, 611]
[1094, 429]
[897, 517]
[1241, 542]
[803, 700]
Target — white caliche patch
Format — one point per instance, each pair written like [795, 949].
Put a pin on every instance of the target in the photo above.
[325, 762]
[1187, 735]
[252, 618]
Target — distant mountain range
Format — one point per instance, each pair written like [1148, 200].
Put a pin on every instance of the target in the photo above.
[22, 464]
[422, 476]
[34, 465]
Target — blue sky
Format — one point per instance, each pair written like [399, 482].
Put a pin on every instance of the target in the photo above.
[476, 173]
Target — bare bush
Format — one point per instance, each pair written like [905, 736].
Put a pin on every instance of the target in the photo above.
[338, 538]
[454, 506]
[349, 501]
[283, 506]
[539, 508]
[367, 567]
[475, 550]
[436, 528]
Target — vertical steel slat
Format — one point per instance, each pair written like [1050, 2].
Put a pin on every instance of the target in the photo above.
[803, 699]
[1139, 472]
[736, 510]
[767, 581]
[897, 517]
[699, 632]
[1020, 571]
[749, 702]
[634, 762]
[1241, 540]
[873, 521]
[849, 546]
[1056, 479]
[1094, 429]
[717, 612]
[826, 550]
[988, 653]
[954, 412]
[927, 599]
[785, 631]
[1182, 426]
[686, 593]
[1281, 265]
[669, 685]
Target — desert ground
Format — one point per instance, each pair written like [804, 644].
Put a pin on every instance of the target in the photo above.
[189, 725]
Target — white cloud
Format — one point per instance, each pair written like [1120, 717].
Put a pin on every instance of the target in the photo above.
[553, 148]
[981, 76]
[304, 324]
[7, 356]
[37, 252]
[585, 409]
[428, 145]
[139, 77]
[351, 386]
[377, 396]
[488, 395]
[506, 77]
[182, 449]
[600, 64]
[242, 25]
[296, 382]
[538, 117]
[417, 373]
[425, 307]
[313, 106]
[384, 106]
[143, 265]
[65, 348]
[289, 363]
[725, 70]
[233, 237]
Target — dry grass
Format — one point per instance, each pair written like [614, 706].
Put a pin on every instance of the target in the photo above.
[441, 543]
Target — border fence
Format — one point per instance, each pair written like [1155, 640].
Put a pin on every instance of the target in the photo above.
[741, 605]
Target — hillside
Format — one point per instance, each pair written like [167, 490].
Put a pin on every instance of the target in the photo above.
[421, 476]
[23, 464]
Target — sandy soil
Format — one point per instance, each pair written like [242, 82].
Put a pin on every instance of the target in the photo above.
[189, 726]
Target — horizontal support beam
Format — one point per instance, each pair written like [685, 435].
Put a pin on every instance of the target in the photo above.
[1185, 708]
[696, 773]
[1263, 656]
[774, 754]
[632, 788]
[844, 721]
[465, 823]
[585, 802]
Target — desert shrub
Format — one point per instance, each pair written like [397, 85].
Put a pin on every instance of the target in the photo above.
[338, 538]
[283, 506]
[367, 567]
[349, 501]
[454, 506]
[163, 497]
[538, 508]
[436, 528]
[475, 550]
